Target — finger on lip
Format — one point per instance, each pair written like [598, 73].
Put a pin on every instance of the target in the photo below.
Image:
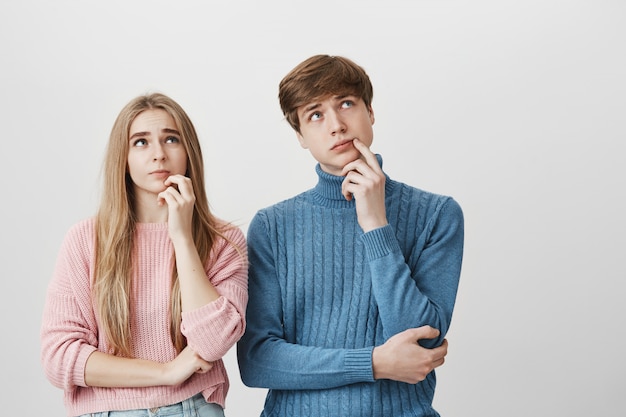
[364, 149]
[359, 145]
[174, 178]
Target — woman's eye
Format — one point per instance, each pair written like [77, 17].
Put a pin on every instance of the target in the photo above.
[172, 139]
[140, 142]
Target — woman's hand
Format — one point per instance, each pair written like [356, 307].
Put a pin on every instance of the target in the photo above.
[185, 365]
[180, 199]
[106, 370]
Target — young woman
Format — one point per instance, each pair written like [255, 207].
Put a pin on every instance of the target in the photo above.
[148, 295]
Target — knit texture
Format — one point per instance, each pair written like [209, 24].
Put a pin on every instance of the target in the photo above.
[323, 294]
[69, 332]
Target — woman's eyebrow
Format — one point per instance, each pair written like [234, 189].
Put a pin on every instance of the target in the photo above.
[174, 131]
[138, 134]
[166, 130]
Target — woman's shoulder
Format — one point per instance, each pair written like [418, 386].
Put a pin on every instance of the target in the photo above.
[230, 231]
[79, 239]
[83, 228]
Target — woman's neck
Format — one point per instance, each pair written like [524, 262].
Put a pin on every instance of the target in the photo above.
[149, 211]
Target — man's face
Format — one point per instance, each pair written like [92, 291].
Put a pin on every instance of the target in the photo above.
[329, 125]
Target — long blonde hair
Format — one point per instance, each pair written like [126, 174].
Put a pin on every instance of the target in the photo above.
[116, 220]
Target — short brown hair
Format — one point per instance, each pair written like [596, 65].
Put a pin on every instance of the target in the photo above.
[320, 76]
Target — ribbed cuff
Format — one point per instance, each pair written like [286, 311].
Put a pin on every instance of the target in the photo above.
[359, 365]
[380, 242]
[78, 377]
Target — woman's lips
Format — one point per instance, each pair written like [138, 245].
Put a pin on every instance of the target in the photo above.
[160, 173]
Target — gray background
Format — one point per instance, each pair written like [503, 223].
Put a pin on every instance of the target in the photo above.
[515, 108]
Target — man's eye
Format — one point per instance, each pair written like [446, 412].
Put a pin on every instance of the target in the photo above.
[316, 116]
[347, 103]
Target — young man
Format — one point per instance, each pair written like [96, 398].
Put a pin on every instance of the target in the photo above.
[353, 282]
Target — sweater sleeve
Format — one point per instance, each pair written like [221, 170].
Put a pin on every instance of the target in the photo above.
[69, 331]
[215, 328]
[266, 359]
[423, 293]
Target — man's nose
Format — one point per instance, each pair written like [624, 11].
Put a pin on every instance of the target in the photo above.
[336, 122]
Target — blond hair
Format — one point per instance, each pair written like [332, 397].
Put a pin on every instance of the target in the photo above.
[116, 220]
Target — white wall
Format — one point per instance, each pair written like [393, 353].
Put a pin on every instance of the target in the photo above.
[516, 108]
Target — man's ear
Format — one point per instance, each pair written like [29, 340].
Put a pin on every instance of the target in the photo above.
[302, 141]
[372, 119]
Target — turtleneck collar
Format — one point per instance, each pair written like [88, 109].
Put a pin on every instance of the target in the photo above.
[328, 188]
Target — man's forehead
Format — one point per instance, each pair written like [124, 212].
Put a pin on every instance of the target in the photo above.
[316, 102]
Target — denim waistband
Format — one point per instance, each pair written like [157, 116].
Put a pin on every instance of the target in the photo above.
[195, 406]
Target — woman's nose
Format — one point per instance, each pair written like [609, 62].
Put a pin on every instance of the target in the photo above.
[159, 153]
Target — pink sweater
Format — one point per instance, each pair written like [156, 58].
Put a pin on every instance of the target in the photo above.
[69, 332]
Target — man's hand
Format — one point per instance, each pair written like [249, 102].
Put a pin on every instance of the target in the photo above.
[402, 359]
[365, 182]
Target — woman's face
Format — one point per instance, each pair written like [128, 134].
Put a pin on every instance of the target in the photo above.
[155, 151]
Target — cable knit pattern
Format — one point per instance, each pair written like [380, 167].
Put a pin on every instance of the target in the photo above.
[70, 334]
[323, 294]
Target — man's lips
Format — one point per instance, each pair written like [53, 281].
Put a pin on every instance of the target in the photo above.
[342, 144]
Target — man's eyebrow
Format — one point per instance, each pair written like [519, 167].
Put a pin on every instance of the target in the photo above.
[310, 107]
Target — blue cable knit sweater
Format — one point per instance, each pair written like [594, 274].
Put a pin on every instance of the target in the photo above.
[323, 294]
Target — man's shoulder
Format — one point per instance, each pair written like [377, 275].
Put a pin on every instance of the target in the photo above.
[424, 200]
[285, 204]
[417, 192]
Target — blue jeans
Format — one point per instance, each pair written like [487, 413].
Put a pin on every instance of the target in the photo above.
[195, 406]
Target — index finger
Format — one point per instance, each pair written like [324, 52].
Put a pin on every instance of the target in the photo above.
[174, 179]
[368, 155]
[182, 183]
